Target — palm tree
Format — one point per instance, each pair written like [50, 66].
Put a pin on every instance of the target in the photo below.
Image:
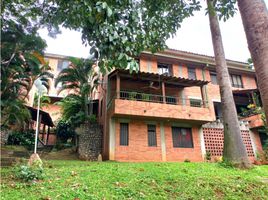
[20, 66]
[234, 149]
[79, 80]
[254, 15]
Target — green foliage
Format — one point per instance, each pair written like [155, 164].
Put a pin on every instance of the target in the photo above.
[133, 95]
[208, 155]
[92, 118]
[64, 131]
[120, 30]
[145, 97]
[225, 9]
[21, 59]
[24, 138]
[44, 101]
[28, 173]
[70, 179]
[80, 79]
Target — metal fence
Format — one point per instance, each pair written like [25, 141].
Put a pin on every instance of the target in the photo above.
[138, 96]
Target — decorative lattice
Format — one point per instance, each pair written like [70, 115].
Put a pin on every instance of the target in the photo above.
[213, 138]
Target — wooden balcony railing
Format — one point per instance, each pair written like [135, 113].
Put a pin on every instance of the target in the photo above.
[137, 96]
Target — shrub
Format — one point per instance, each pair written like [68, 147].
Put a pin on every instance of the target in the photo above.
[30, 173]
[208, 155]
[64, 131]
[92, 118]
[24, 138]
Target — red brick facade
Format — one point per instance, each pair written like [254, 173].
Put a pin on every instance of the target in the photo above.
[137, 113]
[138, 149]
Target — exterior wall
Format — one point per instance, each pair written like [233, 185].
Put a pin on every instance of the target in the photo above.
[138, 149]
[54, 111]
[256, 139]
[181, 154]
[147, 109]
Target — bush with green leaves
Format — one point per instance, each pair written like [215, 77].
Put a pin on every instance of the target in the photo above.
[29, 173]
[64, 131]
[24, 138]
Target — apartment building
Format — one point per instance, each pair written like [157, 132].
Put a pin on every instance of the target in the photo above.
[170, 109]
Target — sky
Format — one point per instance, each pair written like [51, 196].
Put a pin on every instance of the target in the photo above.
[193, 36]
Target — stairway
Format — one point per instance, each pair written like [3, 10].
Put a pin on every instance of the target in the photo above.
[10, 156]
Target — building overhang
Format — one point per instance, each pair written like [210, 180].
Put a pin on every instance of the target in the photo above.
[172, 80]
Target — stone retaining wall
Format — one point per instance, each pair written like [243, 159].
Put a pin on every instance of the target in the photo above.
[89, 141]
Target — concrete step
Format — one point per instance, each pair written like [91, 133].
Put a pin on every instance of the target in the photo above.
[7, 161]
[24, 154]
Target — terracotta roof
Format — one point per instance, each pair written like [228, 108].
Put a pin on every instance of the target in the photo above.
[185, 82]
[203, 55]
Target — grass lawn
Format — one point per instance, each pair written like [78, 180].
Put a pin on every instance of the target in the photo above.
[113, 180]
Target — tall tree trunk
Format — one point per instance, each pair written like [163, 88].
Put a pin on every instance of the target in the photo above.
[234, 149]
[255, 20]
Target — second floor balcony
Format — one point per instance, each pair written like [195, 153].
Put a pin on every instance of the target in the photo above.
[158, 96]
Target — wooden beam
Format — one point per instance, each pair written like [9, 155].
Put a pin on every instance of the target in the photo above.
[117, 86]
[203, 93]
[48, 132]
[164, 92]
[39, 125]
[43, 133]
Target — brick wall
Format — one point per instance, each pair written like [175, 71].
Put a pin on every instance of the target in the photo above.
[213, 138]
[138, 149]
[181, 154]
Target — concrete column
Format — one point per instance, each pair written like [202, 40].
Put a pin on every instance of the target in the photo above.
[112, 139]
[149, 66]
[202, 142]
[182, 95]
[163, 142]
[180, 71]
[117, 86]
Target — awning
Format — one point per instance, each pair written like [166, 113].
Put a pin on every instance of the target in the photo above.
[245, 91]
[45, 119]
[185, 82]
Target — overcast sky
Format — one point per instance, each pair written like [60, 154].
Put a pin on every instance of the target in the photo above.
[194, 36]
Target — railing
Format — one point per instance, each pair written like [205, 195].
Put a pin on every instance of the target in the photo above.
[237, 85]
[137, 96]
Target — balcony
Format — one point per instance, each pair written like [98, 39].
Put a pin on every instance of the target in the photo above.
[150, 95]
[156, 106]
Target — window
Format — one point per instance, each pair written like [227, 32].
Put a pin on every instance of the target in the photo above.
[236, 81]
[195, 103]
[124, 134]
[191, 73]
[151, 135]
[213, 78]
[62, 64]
[182, 137]
[165, 69]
